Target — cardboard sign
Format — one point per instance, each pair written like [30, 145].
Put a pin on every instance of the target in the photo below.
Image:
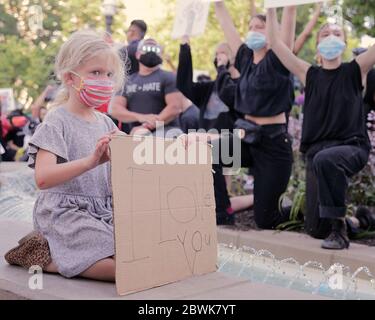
[164, 214]
[191, 18]
[285, 3]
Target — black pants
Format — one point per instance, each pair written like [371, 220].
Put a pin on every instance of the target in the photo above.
[270, 161]
[222, 200]
[327, 174]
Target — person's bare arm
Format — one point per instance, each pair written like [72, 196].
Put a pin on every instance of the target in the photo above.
[295, 65]
[231, 34]
[174, 103]
[48, 173]
[288, 26]
[301, 39]
[253, 8]
[366, 61]
[122, 114]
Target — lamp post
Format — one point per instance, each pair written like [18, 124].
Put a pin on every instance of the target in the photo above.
[109, 10]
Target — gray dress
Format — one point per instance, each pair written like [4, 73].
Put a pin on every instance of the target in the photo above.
[76, 216]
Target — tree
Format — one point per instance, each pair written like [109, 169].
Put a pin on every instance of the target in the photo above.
[27, 56]
[361, 13]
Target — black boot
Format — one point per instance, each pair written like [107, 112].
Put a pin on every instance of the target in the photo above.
[224, 218]
[338, 238]
[366, 218]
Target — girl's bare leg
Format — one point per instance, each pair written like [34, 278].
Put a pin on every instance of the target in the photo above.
[103, 270]
[51, 267]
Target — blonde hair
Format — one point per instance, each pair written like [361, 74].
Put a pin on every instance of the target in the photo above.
[228, 51]
[81, 46]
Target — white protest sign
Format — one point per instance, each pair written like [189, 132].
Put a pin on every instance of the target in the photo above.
[6, 100]
[285, 3]
[191, 18]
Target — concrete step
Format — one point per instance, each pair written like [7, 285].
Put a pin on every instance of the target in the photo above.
[14, 282]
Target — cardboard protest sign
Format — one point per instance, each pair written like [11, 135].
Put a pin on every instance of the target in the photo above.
[285, 3]
[164, 213]
[191, 17]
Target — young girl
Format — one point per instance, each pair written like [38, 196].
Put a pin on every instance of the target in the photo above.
[334, 135]
[73, 213]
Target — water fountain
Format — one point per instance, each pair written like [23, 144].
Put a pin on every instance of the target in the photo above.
[261, 266]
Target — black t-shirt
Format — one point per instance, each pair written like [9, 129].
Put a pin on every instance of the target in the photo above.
[264, 89]
[146, 94]
[333, 110]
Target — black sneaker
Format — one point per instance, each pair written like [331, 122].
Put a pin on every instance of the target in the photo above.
[223, 218]
[338, 238]
[366, 218]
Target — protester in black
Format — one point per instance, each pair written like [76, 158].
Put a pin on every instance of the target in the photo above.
[214, 115]
[263, 96]
[334, 136]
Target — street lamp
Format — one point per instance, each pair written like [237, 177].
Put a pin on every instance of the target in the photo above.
[109, 10]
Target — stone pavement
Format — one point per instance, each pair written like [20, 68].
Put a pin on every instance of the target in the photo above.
[213, 286]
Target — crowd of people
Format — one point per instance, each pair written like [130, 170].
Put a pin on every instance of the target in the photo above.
[252, 94]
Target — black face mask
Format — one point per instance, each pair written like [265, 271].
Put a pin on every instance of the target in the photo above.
[150, 59]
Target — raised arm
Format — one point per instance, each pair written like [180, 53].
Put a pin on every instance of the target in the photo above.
[194, 91]
[295, 65]
[288, 26]
[366, 61]
[301, 39]
[230, 32]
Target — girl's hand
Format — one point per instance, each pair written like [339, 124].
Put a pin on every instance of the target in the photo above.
[101, 153]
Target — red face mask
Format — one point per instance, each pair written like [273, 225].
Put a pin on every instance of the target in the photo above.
[94, 92]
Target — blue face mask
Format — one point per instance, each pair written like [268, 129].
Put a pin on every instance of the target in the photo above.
[331, 47]
[255, 40]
